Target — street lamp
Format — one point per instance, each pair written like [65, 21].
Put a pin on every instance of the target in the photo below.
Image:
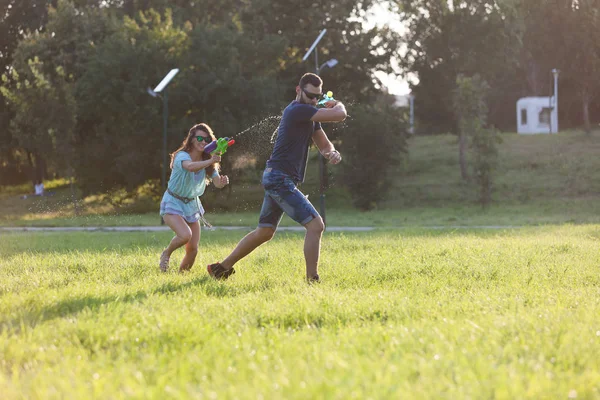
[162, 87]
[329, 63]
[322, 166]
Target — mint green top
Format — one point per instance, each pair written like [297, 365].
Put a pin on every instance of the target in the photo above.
[185, 183]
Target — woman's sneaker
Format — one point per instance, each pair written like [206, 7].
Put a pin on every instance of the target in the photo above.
[164, 262]
[217, 271]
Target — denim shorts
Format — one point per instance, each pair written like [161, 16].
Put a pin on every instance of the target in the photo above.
[191, 211]
[282, 195]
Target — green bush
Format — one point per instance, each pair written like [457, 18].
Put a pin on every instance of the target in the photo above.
[373, 140]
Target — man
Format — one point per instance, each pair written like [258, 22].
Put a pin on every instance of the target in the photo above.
[286, 168]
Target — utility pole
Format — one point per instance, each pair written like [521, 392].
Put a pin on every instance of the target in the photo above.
[322, 166]
[555, 73]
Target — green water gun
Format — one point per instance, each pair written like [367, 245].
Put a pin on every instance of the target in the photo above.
[220, 145]
[326, 97]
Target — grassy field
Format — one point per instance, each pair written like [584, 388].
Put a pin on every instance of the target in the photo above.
[576, 211]
[400, 314]
[540, 179]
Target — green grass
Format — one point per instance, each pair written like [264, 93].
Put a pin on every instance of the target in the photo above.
[400, 314]
[540, 179]
[556, 211]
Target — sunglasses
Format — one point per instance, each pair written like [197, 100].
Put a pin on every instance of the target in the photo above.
[206, 139]
[312, 96]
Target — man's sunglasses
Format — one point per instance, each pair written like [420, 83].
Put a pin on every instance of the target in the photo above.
[206, 139]
[312, 95]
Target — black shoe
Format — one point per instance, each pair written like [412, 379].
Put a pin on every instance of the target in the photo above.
[219, 272]
[314, 279]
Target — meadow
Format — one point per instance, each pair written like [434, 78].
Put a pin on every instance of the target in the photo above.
[413, 313]
[538, 180]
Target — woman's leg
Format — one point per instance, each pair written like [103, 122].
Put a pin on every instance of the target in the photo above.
[191, 248]
[183, 234]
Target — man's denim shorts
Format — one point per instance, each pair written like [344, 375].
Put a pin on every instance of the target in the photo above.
[282, 195]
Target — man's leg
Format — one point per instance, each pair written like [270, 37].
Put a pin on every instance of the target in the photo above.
[250, 242]
[270, 215]
[312, 246]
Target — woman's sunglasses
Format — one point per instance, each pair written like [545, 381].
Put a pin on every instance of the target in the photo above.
[206, 139]
[312, 95]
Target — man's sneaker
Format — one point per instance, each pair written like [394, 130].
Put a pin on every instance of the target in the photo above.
[219, 272]
[164, 262]
[314, 279]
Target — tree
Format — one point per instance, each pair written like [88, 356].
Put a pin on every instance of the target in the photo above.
[45, 116]
[366, 169]
[444, 39]
[360, 52]
[582, 44]
[119, 123]
[471, 110]
[44, 68]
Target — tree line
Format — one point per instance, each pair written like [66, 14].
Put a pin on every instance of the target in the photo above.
[76, 73]
[512, 45]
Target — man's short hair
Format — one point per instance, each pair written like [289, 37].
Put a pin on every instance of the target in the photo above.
[311, 78]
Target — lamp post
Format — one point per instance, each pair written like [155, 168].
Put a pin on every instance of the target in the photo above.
[555, 73]
[322, 166]
[411, 99]
[162, 87]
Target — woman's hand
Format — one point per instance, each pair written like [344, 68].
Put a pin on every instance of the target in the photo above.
[221, 181]
[215, 158]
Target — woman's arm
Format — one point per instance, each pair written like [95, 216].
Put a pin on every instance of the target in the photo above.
[195, 166]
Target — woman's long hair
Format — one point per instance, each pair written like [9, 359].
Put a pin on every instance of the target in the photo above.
[188, 144]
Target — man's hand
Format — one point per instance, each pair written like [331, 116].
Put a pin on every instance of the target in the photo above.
[333, 157]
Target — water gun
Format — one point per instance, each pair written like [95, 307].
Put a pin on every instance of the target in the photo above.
[220, 145]
[326, 97]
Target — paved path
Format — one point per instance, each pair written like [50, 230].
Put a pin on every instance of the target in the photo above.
[166, 228]
[232, 228]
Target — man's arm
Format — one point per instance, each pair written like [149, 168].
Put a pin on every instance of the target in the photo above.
[326, 147]
[335, 113]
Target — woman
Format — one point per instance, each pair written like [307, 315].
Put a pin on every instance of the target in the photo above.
[180, 206]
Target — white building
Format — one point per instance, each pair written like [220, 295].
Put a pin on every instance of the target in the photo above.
[537, 115]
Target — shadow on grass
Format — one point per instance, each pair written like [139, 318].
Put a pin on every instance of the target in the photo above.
[65, 308]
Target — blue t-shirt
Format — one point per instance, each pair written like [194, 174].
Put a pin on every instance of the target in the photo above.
[185, 183]
[290, 152]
